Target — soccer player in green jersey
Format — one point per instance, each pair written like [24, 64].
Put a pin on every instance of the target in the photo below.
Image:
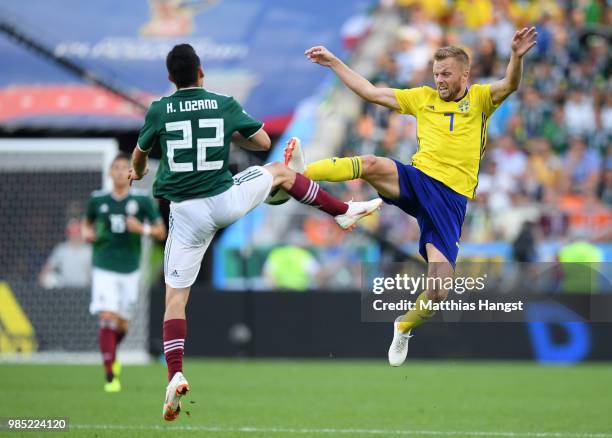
[194, 127]
[115, 222]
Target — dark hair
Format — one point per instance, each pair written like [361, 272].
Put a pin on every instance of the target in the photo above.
[182, 63]
[121, 156]
[452, 52]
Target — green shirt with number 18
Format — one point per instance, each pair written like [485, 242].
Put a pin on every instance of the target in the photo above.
[194, 126]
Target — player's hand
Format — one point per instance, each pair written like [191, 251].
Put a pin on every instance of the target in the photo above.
[88, 234]
[320, 55]
[133, 225]
[523, 40]
[133, 176]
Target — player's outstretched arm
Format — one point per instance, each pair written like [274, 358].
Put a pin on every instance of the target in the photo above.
[357, 83]
[260, 141]
[522, 41]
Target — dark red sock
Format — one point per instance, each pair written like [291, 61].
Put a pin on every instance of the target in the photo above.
[119, 335]
[308, 192]
[108, 345]
[175, 332]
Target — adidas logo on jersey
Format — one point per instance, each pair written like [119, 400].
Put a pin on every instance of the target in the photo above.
[174, 273]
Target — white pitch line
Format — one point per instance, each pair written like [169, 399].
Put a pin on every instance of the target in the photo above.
[248, 429]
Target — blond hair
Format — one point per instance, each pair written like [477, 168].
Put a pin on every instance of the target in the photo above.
[452, 52]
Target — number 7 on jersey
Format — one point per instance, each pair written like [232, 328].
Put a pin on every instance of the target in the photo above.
[452, 119]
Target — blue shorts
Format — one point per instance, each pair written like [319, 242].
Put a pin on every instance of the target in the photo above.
[438, 209]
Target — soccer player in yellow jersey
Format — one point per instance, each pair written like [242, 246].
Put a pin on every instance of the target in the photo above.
[452, 128]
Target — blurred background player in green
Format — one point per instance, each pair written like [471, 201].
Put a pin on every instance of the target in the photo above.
[115, 222]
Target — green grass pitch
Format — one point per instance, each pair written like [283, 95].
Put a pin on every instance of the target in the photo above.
[278, 398]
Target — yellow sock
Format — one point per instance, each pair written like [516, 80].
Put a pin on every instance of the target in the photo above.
[335, 169]
[415, 317]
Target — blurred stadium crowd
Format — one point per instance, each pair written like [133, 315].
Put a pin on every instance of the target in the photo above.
[547, 171]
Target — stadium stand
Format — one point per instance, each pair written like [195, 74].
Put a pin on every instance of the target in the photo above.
[548, 160]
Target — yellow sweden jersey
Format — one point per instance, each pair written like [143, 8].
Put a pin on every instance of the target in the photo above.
[451, 135]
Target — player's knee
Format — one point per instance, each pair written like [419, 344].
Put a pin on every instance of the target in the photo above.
[123, 325]
[108, 320]
[277, 170]
[283, 176]
[368, 161]
[437, 295]
[176, 301]
[108, 316]
[369, 164]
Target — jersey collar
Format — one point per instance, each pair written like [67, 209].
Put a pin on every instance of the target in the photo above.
[189, 89]
[464, 94]
[119, 198]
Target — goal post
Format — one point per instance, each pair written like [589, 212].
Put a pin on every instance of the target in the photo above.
[44, 186]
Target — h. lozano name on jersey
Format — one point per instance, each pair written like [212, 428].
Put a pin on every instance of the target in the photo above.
[192, 105]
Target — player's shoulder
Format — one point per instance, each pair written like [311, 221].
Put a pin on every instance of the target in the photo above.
[224, 100]
[219, 96]
[424, 94]
[425, 90]
[480, 93]
[98, 194]
[139, 193]
[479, 88]
[158, 103]
[428, 94]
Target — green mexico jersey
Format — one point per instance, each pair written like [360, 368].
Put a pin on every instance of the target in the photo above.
[115, 248]
[194, 128]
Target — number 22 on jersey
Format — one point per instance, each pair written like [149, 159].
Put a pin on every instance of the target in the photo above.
[201, 144]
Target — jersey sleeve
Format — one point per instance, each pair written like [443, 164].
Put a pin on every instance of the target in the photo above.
[148, 132]
[90, 211]
[241, 120]
[151, 212]
[484, 96]
[408, 99]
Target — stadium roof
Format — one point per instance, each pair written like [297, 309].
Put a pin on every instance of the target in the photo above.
[252, 49]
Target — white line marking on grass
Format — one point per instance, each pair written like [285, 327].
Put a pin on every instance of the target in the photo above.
[248, 429]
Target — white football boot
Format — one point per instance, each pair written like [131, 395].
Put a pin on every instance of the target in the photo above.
[356, 211]
[294, 160]
[177, 388]
[294, 155]
[399, 346]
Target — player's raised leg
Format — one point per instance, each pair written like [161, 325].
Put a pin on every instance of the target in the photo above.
[308, 192]
[438, 267]
[380, 172]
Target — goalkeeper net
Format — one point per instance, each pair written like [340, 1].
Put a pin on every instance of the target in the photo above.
[44, 291]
